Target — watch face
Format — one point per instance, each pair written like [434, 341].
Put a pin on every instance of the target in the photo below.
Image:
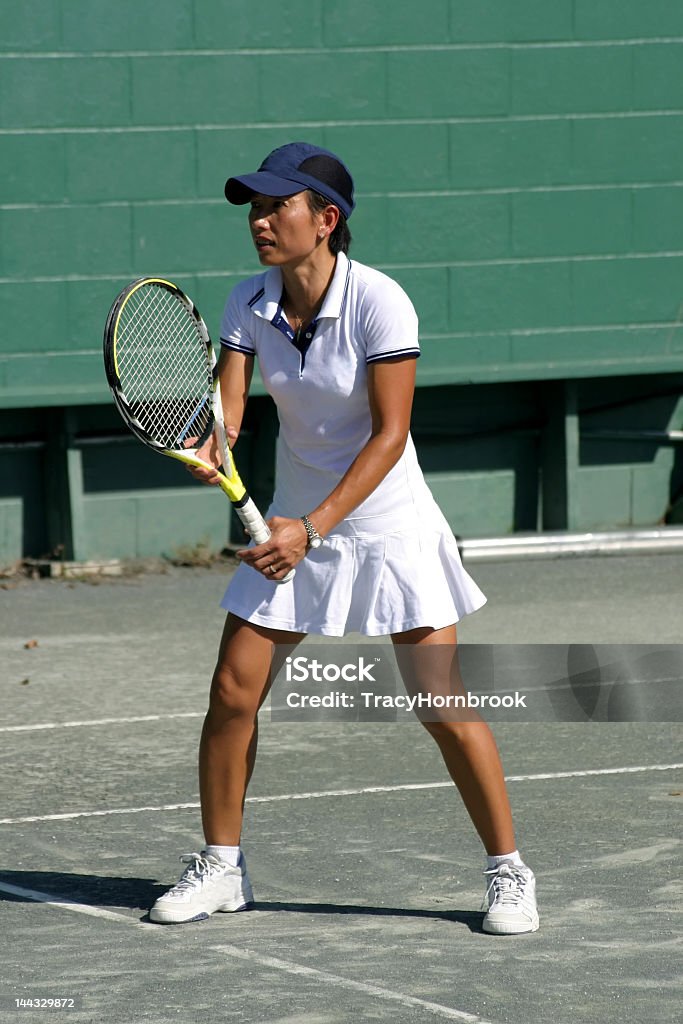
[316, 542]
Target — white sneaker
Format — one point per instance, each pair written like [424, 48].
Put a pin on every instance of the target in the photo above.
[510, 900]
[206, 885]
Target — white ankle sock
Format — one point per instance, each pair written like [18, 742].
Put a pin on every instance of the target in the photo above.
[513, 858]
[228, 854]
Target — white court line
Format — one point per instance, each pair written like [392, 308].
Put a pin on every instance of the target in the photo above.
[594, 771]
[246, 954]
[96, 814]
[542, 776]
[100, 721]
[359, 986]
[66, 904]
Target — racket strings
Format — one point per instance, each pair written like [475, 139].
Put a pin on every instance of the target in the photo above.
[163, 366]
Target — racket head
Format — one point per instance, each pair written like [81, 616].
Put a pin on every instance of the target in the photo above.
[162, 372]
[160, 365]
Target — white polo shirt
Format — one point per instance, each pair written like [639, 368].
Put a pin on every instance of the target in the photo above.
[319, 382]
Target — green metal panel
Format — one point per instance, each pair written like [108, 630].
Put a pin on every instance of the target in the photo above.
[476, 504]
[149, 523]
[23, 499]
[66, 537]
[559, 457]
[650, 488]
[603, 497]
[11, 532]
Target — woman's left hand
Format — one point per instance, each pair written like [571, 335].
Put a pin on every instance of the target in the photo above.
[284, 549]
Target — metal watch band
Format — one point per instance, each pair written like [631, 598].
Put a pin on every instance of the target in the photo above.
[310, 530]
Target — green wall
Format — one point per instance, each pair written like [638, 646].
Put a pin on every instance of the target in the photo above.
[519, 171]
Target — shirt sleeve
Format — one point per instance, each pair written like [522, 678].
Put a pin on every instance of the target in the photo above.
[234, 331]
[390, 323]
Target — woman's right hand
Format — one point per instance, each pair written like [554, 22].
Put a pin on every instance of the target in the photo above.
[210, 452]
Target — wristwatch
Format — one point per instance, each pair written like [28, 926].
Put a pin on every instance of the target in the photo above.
[314, 538]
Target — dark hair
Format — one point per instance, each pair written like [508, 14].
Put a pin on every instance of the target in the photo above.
[340, 239]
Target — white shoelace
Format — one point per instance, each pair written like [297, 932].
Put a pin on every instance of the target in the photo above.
[198, 868]
[508, 884]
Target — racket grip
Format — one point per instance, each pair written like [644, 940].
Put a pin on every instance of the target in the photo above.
[254, 522]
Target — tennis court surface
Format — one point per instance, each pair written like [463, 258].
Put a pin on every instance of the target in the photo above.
[366, 871]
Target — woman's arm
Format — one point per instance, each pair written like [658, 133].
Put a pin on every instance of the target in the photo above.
[234, 373]
[391, 385]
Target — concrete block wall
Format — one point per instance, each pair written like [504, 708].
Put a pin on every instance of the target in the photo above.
[518, 166]
[519, 170]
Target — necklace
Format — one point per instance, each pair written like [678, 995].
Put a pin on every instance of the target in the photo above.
[296, 321]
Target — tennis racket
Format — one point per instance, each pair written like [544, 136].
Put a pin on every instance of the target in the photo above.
[161, 369]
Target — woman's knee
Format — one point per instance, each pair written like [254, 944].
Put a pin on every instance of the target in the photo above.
[453, 733]
[242, 675]
[229, 697]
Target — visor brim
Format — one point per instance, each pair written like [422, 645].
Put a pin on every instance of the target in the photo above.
[239, 191]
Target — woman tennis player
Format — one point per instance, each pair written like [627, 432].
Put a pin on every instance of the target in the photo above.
[336, 343]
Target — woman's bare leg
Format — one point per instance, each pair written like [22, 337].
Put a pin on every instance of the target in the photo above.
[467, 747]
[227, 751]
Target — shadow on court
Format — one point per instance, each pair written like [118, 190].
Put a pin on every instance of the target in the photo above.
[96, 890]
[466, 917]
[140, 894]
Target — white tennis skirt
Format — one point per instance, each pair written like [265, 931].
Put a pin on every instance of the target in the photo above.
[373, 575]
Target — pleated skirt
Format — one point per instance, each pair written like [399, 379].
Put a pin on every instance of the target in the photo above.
[373, 575]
